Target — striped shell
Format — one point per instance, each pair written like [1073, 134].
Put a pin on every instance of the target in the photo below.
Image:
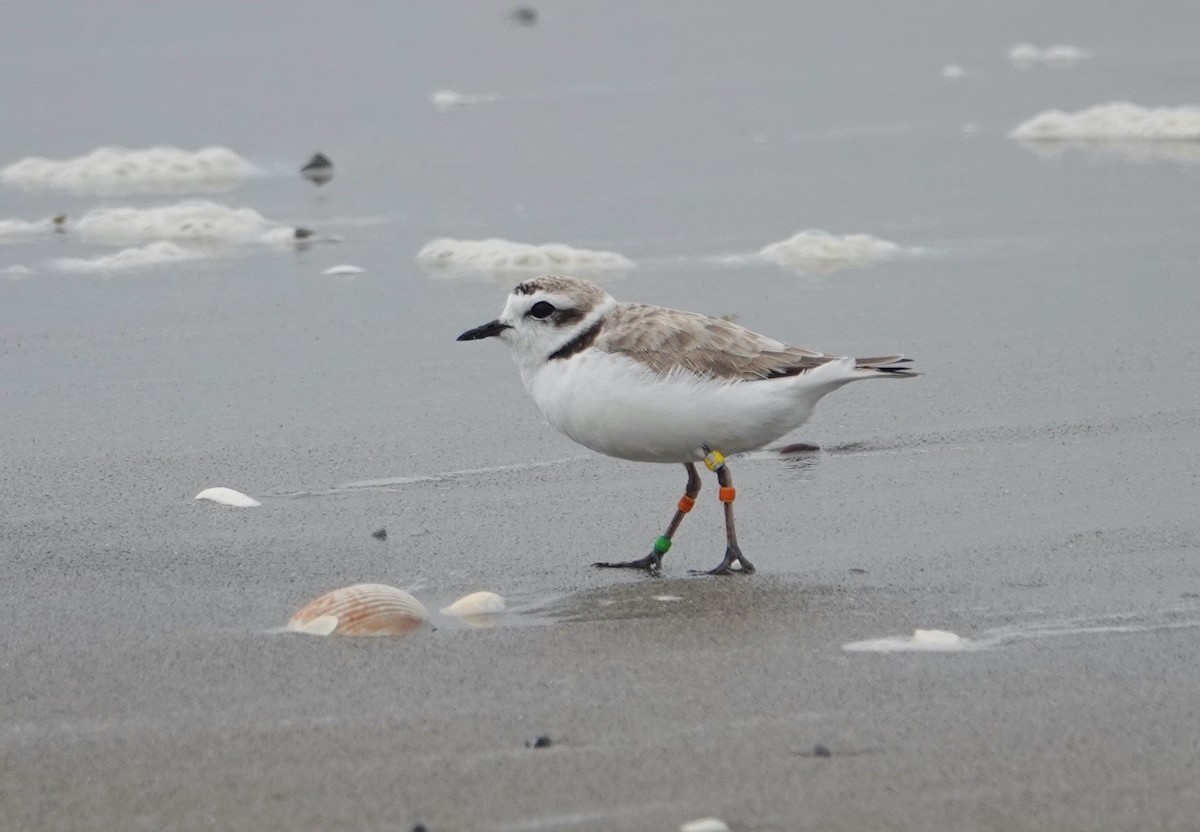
[477, 603]
[361, 610]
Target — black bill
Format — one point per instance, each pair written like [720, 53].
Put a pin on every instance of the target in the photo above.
[488, 330]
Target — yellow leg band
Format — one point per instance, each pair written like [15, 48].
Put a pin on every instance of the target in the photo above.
[714, 460]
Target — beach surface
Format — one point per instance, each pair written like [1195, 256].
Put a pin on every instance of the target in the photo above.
[1034, 493]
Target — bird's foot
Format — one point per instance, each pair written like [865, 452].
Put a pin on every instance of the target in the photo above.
[651, 564]
[732, 556]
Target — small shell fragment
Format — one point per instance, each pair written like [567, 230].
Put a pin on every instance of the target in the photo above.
[705, 825]
[344, 269]
[361, 610]
[922, 641]
[228, 497]
[477, 603]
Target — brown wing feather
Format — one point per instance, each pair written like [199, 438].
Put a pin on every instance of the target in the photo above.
[666, 340]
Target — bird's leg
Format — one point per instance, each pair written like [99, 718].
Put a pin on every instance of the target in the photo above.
[714, 461]
[653, 561]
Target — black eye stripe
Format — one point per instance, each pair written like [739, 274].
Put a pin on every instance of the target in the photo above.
[541, 309]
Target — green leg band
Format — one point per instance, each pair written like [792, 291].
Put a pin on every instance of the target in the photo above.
[662, 545]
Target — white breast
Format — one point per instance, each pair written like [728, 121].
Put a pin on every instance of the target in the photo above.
[617, 406]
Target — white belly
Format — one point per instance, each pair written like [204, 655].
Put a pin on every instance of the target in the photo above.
[618, 407]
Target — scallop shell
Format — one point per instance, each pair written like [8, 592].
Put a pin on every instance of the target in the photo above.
[361, 610]
[477, 603]
[228, 497]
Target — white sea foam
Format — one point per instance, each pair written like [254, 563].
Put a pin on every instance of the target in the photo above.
[814, 250]
[153, 254]
[344, 269]
[496, 256]
[16, 271]
[921, 641]
[190, 221]
[116, 170]
[1177, 618]
[1063, 55]
[1024, 53]
[451, 100]
[953, 72]
[165, 234]
[1059, 56]
[1118, 120]
[228, 497]
[17, 228]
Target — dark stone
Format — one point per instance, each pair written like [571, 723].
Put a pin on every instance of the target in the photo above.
[319, 161]
[319, 169]
[541, 742]
[379, 534]
[821, 751]
[524, 15]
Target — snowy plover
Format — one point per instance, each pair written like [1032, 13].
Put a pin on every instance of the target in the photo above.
[659, 385]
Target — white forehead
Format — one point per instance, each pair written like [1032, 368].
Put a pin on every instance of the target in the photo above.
[562, 292]
[519, 303]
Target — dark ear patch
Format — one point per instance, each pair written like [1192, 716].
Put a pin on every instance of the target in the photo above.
[566, 317]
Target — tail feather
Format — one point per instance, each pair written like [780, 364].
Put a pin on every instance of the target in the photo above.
[886, 365]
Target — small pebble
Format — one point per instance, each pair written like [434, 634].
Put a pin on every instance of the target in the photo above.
[541, 742]
[379, 534]
[821, 751]
[318, 170]
[524, 15]
[854, 570]
[420, 827]
[303, 233]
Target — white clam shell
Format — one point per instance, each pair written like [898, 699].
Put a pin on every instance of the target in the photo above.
[228, 497]
[361, 610]
[705, 825]
[477, 603]
[921, 641]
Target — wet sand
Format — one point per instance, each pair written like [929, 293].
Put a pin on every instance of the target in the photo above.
[1035, 491]
[154, 696]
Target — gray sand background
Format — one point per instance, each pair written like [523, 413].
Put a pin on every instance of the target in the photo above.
[1036, 490]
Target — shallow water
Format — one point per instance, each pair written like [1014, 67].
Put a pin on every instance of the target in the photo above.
[1039, 480]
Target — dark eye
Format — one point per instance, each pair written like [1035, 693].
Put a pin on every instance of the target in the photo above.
[541, 309]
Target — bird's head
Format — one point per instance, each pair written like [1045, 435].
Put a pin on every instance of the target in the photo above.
[544, 315]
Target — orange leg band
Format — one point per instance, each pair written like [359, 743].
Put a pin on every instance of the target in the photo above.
[726, 494]
[686, 503]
